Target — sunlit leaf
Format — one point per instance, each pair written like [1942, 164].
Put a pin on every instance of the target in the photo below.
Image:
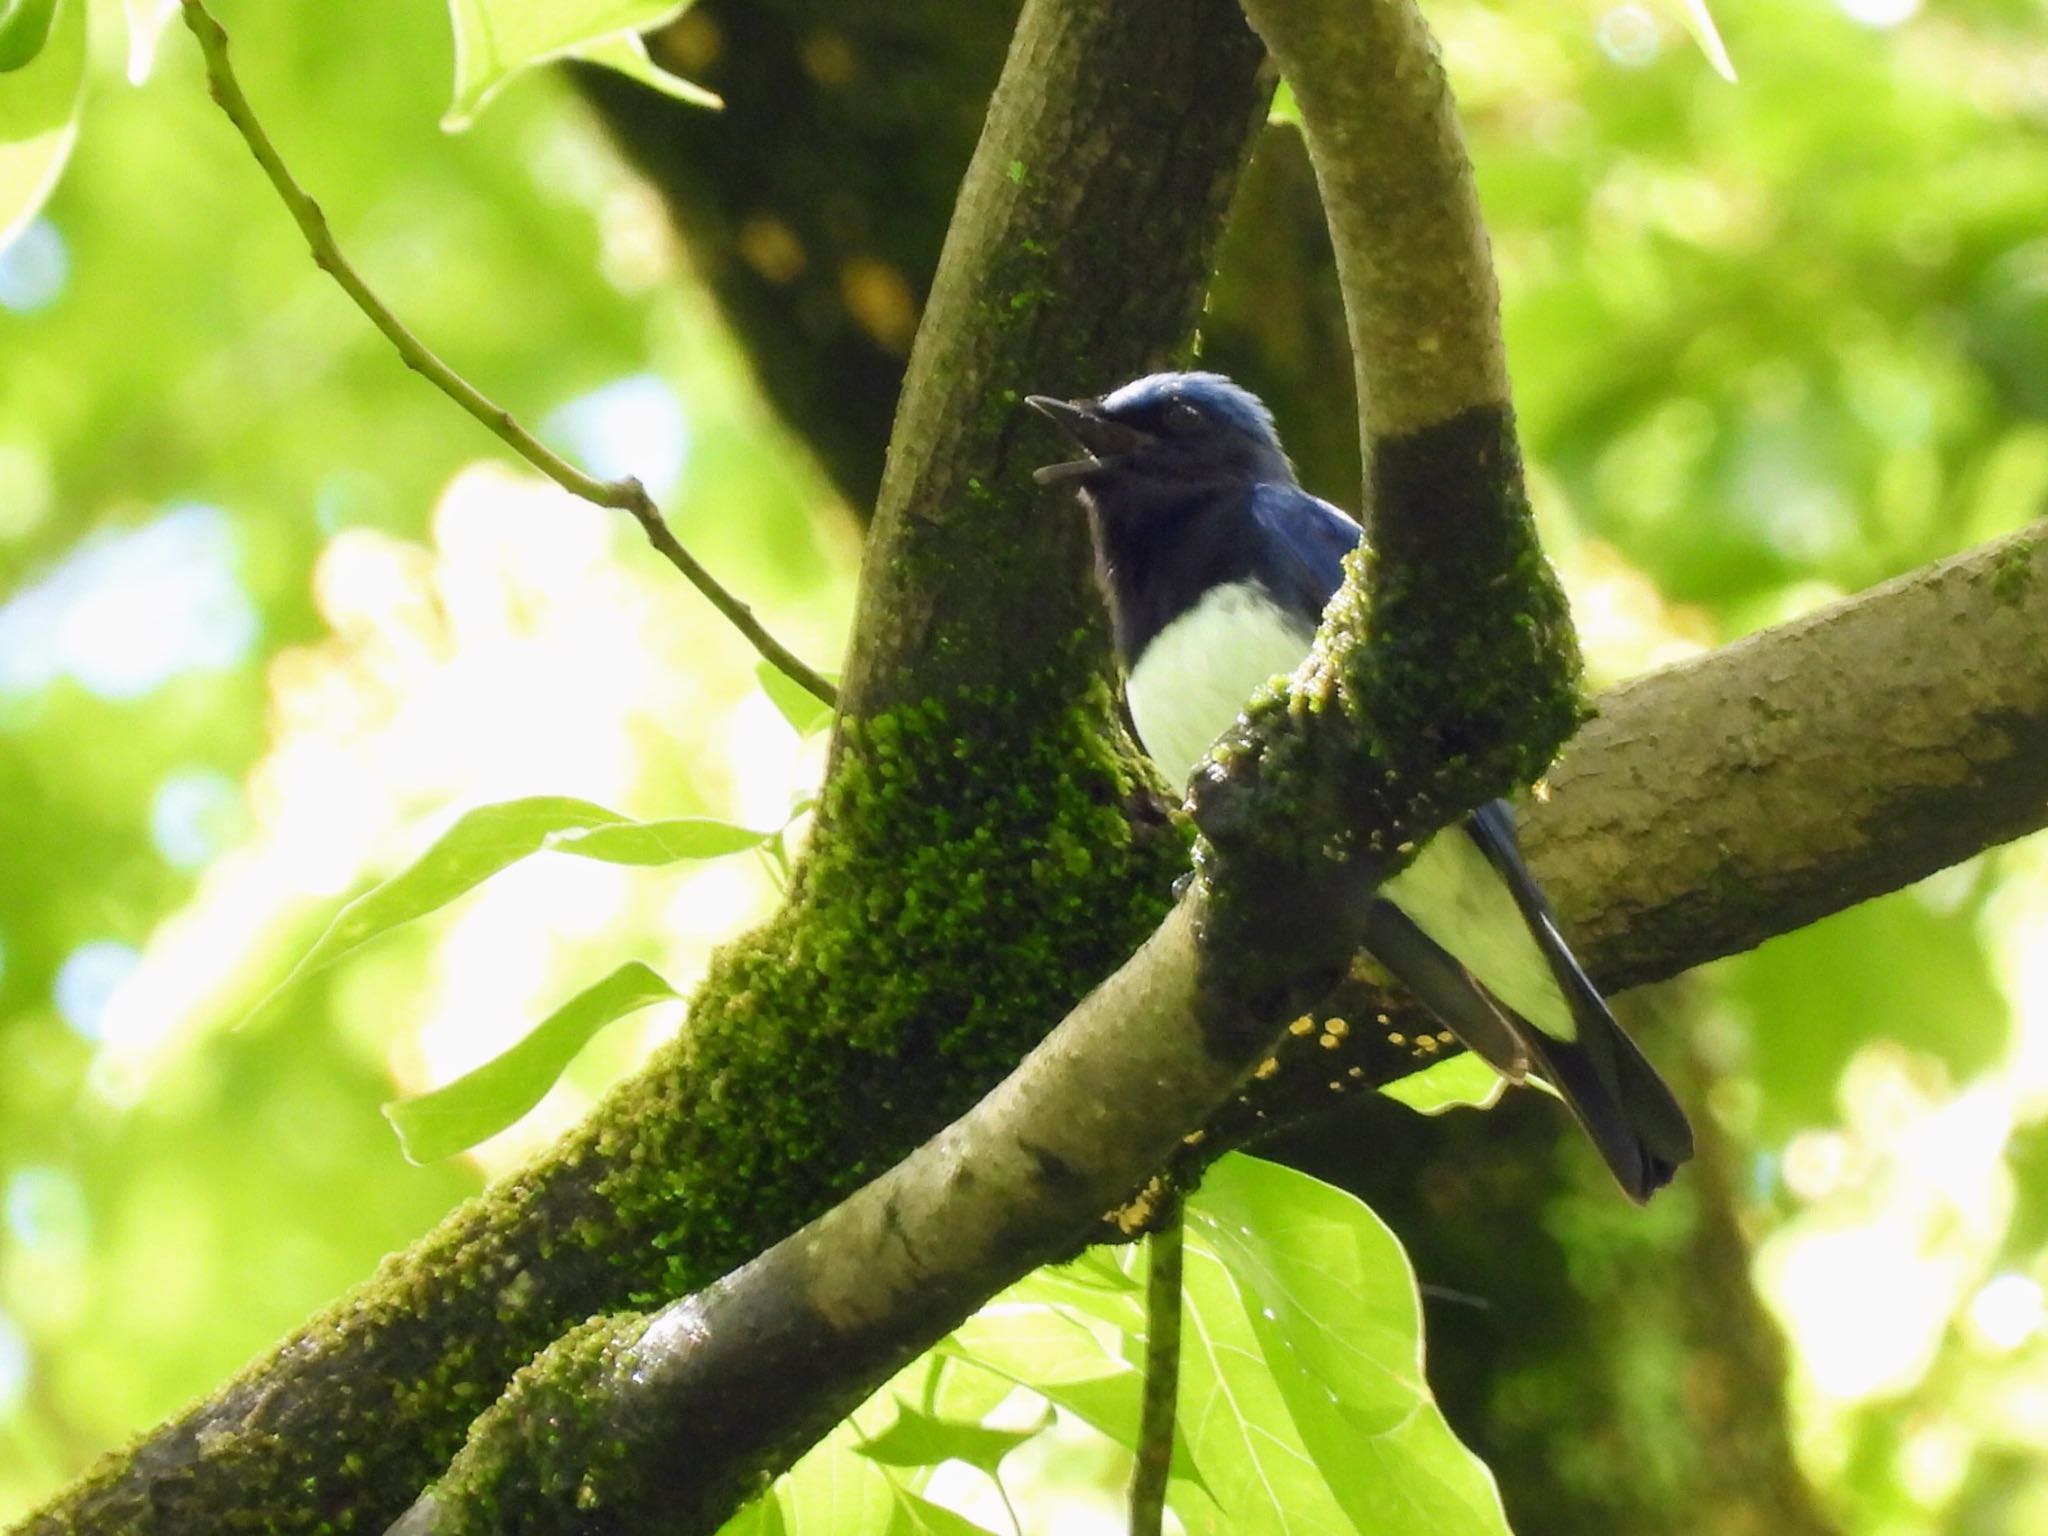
[1465, 1081]
[1284, 108]
[496, 39]
[757, 1517]
[1699, 21]
[917, 1515]
[1050, 1351]
[626, 52]
[1235, 1417]
[831, 1490]
[39, 103]
[655, 842]
[1336, 1326]
[24, 29]
[919, 1439]
[804, 710]
[483, 1102]
[481, 843]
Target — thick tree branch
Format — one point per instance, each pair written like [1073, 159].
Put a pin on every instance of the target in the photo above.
[885, 1275]
[1749, 792]
[987, 853]
[1412, 257]
[349, 1416]
[1410, 711]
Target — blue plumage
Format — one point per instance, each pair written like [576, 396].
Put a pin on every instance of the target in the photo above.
[1217, 566]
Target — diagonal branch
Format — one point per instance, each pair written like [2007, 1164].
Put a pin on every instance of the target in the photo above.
[680, 1413]
[666, 1423]
[869, 1011]
[627, 495]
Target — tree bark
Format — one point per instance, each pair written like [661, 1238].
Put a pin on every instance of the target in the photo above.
[988, 848]
[348, 1418]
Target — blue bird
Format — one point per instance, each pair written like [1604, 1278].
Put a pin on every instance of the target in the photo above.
[1217, 566]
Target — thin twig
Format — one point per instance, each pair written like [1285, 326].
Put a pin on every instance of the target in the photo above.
[626, 495]
[1162, 1373]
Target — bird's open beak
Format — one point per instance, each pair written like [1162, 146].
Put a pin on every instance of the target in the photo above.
[1100, 438]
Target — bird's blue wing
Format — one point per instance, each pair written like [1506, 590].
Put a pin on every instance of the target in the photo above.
[1301, 557]
[1613, 1091]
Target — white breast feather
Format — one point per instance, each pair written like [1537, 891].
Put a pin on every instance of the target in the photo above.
[1192, 681]
[1189, 687]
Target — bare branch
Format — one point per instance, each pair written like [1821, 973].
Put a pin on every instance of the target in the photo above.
[1326, 790]
[627, 495]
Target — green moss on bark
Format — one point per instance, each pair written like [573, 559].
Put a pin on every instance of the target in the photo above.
[984, 859]
[542, 1447]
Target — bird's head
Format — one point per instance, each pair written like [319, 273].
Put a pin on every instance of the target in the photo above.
[1164, 434]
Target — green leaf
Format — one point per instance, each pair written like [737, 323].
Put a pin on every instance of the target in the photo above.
[1336, 1323]
[919, 1439]
[1284, 108]
[655, 842]
[1093, 1285]
[831, 1491]
[1236, 1420]
[1694, 16]
[24, 28]
[39, 102]
[496, 39]
[804, 710]
[480, 844]
[760, 1516]
[1050, 1351]
[626, 52]
[1465, 1081]
[919, 1516]
[483, 1102]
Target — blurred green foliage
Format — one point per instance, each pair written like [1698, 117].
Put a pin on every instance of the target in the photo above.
[1771, 342]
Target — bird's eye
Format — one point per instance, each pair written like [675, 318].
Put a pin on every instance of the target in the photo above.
[1183, 417]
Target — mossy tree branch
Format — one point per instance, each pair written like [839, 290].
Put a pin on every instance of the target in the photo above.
[687, 1420]
[1314, 803]
[345, 1420]
[988, 848]
[1860, 747]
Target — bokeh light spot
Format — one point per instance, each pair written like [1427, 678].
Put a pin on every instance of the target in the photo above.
[87, 981]
[34, 269]
[193, 816]
[2007, 1311]
[124, 613]
[24, 490]
[14, 1366]
[632, 426]
[45, 1208]
[1630, 36]
[1880, 13]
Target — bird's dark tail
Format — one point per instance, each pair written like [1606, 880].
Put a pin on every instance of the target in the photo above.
[1613, 1092]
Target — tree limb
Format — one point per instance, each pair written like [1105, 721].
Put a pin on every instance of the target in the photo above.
[370, 1395]
[1751, 791]
[987, 851]
[1410, 710]
[1011, 1184]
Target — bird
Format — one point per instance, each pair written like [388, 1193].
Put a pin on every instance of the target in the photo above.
[1217, 565]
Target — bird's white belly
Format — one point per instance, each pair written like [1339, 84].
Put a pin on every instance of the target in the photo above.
[1189, 687]
[1193, 680]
